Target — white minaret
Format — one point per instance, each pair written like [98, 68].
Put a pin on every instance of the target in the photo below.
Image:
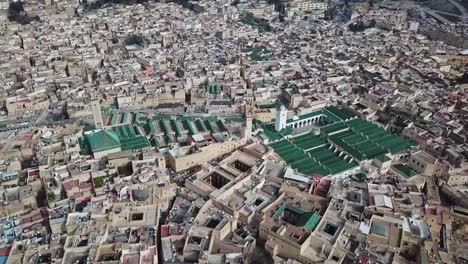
[281, 117]
[96, 109]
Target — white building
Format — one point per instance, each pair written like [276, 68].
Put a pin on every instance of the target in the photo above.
[281, 117]
[311, 5]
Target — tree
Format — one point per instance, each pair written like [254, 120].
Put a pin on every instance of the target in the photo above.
[51, 196]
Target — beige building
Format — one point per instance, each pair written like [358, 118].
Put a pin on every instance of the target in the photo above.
[17, 199]
[457, 180]
[219, 182]
[265, 115]
[186, 158]
[135, 216]
[425, 164]
[458, 176]
[383, 162]
[20, 106]
[385, 231]
[288, 223]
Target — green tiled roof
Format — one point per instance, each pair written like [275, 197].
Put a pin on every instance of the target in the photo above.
[280, 144]
[256, 124]
[168, 139]
[286, 131]
[176, 128]
[309, 141]
[365, 140]
[124, 117]
[164, 127]
[306, 116]
[400, 147]
[329, 129]
[235, 119]
[309, 220]
[137, 130]
[139, 119]
[89, 128]
[85, 148]
[211, 89]
[156, 118]
[221, 125]
[200, 126]
[154, 141]
[113, 119]
[210, 118]
[129, 137]
[188, 125]
[270, 132]
[283, 208]
[341, 113]
[313, 221]
[405, 170]
[149, 127]
[210, 126]
[103, 140]
[134, 119]
[108, 110]
[361, 140]
[310, 154]
[383, 158]
[166, 116]
[134, 143]
[182, 118]
[125, 131]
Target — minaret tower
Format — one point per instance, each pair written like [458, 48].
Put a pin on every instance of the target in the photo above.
[281, 117]
[97, 115]
[248, 122]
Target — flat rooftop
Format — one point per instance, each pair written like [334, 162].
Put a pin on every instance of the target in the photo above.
[426, 157]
